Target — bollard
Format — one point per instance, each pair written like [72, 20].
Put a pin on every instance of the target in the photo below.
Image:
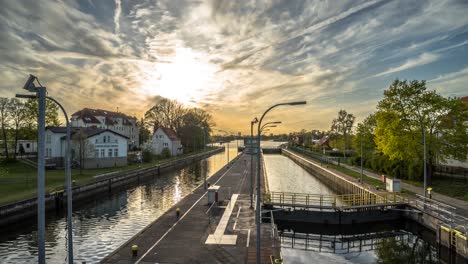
[209, 184]
[134, 250]
[177, 212]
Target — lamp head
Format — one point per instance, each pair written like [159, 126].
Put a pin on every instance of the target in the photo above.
[255, 120]
[28, 96]
[29, 85]
[297, 103]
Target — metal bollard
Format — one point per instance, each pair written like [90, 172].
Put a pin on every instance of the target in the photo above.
[134, 250]
[178, 212]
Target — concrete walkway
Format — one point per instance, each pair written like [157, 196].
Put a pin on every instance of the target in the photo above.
[203, 234]
[462, 206]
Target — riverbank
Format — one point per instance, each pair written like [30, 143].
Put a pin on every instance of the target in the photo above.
[25, 209]
[18, 181]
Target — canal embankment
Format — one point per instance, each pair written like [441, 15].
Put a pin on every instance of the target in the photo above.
[56, 201]
[450, 228]
[220, 232]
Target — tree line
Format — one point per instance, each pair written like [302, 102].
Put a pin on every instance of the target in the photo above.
[393, 136]
[18, 121]
[192, 125]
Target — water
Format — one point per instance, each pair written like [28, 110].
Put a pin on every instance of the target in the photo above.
[286, 176]
[390, 242]
[101, 226]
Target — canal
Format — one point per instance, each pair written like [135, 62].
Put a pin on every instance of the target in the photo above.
[376, 243]
[102, 225]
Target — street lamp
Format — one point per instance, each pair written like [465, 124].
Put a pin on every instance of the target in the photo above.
[41, 95]
[254, 121]
[259, 128]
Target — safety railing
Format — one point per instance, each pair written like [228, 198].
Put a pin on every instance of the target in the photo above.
[332, 201]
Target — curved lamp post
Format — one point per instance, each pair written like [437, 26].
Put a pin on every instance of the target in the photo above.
[254, 121]
[259, 131]
[41, 96]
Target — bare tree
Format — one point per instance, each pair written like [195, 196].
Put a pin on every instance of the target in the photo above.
[16, 108]
[82, 147]
[165, 113]
[4, 122]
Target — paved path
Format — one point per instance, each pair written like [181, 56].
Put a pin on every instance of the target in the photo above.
[460, 205]
[184, 240]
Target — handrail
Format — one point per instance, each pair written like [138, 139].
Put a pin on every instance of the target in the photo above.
[330, 200]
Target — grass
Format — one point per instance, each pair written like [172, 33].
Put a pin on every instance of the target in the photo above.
[18, 181]
[357, 175]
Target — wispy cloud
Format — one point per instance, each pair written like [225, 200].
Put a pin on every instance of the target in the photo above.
[423, 59]
[233, 58]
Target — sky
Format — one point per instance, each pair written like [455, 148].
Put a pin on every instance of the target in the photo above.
[234, 58]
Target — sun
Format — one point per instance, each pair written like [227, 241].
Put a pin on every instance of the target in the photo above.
[187, 77]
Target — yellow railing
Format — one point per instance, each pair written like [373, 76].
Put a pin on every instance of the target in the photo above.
[332, 200]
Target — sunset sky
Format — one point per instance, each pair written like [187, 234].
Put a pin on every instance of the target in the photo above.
[233, 58]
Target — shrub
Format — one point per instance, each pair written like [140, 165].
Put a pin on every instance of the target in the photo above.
[165, 153]
[146, 155]
[415, 171]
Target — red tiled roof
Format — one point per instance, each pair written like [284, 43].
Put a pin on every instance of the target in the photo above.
[464, 99]
[88, 115]
[171, 134]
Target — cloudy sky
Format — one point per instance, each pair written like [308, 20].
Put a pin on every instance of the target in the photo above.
[233, 58]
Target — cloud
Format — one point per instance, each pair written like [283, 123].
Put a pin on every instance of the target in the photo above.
[423, 59]
[118, 11]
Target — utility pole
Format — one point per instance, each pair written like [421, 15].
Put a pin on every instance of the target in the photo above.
[41, 94]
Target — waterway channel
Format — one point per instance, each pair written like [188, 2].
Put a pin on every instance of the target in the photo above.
[102, 225]
[378, 243]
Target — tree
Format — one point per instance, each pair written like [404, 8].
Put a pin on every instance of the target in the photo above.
[17, 110]
[342, 125]
[407, 111]
[82, 148]
[31, 112]
[4, 122]
[165, 113]
[365, 133]
[196, 125]
[144, 133]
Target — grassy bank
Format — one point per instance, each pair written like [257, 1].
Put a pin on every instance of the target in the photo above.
[18, 181]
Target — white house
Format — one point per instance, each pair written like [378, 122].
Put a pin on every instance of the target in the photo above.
[115, 121]
[103, 147]
[166, 138]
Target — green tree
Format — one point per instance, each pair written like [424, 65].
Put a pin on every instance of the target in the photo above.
[82, 149]
[144, 133]
[32, 110]
[196, 126]
[407, 111]
[165, 153]
[342, 125]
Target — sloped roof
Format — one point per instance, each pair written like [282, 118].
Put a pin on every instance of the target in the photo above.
[323, 141]
[88, 115]
[464, 99]
[88, 131]
[171, 134]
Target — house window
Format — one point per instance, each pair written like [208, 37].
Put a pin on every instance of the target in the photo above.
[48, 139]
[104, 139]
[165, 144]
[116, 152]
[96, 153]
[96, 140]
[27, 145]
[108, 139]
[110, 152]
[103, 154]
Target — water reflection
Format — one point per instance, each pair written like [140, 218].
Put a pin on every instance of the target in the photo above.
[102, 225]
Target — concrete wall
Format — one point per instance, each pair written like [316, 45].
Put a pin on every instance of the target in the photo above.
[93, 163]
[26, 209]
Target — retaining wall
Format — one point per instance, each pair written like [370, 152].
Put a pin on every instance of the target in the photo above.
[23, 210]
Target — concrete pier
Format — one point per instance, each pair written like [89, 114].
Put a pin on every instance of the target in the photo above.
[222, 233]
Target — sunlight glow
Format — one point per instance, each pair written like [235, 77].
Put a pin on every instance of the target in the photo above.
[186, 77]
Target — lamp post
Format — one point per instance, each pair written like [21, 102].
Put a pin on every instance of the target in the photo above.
[259, 128]
[254, 121]
[41, 95]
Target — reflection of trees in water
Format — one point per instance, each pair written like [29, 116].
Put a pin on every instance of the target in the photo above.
[393, 251]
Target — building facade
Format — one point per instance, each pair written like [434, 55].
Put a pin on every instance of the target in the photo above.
[95, 147]
[114, 121]
[166, 138]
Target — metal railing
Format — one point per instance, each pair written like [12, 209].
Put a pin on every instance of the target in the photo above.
[332, 201]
